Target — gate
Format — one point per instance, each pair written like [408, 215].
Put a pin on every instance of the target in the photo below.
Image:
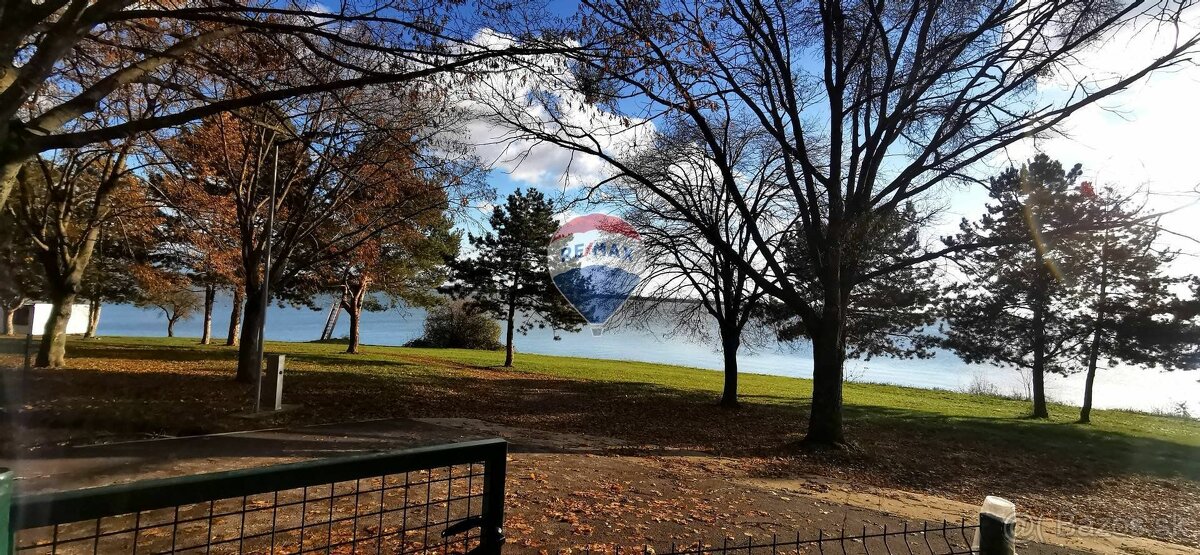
[437, 500]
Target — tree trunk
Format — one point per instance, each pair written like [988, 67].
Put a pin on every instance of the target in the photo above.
[1085, 412]
[352, 344]
[730, 343]
[7, 321]
[1039, 394]
[62, 289]
[210, 298]
[825, 419]
[353, 305]
[249, 362]
[53, 349]
[1039, 361]
[508, 335]
[235, 318]
[171, 327]
[93, 318]
[8, 178]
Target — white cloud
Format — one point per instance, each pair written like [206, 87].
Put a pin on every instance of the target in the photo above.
[491, 98]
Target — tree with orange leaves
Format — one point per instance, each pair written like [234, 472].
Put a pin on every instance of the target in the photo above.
[62, 60]
[405, 261]
[346, 170]
[64, 203]
[402, 267]
[202, 230]
[167, 291]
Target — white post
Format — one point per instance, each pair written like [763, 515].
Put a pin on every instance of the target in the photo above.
[997, 527]
[274, 385]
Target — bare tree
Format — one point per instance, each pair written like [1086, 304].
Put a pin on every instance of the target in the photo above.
[871, 105]
[690, 285]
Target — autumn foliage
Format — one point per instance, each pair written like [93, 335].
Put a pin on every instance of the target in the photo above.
[357, 204]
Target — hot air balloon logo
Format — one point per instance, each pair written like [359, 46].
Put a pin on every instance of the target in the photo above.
[596, 263]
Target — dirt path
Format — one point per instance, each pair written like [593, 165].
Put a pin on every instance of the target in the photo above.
[570, 491]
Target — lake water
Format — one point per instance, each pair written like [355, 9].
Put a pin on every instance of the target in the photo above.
[1121, 387]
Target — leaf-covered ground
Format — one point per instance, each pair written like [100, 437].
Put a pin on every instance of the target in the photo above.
[1129, 472]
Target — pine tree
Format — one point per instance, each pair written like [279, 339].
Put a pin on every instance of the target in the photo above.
[1017, 305]
[508, 276]
[888, 316]
[1131, 309]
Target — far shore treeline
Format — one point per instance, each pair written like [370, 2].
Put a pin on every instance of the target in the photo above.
[160, 156]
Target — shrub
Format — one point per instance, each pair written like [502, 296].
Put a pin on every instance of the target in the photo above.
[1175, 410]
[980, 386]
[458, 325]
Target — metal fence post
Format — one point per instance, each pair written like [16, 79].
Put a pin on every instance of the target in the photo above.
[491, 539]
[28, 348]
[997, 527]
[7, 531]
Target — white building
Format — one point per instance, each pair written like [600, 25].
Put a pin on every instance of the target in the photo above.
[38, 313]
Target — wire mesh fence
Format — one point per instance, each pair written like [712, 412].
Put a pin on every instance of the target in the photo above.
[439, 500]
[945, 538]
[433, 501]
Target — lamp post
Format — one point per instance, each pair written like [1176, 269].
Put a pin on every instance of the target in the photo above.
[266, 288]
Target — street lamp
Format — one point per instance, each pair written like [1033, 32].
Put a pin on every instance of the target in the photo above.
[266, 288]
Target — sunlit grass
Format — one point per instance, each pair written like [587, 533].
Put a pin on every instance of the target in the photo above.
[860, 398]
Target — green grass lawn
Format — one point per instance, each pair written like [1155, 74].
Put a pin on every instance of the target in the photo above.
[759, 388]
[753, 388]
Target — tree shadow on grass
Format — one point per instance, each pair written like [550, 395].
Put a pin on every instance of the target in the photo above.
[347, 359]
[909, 449]
[131, 350]
[174, 353]
[1014, 450]
[647, 414]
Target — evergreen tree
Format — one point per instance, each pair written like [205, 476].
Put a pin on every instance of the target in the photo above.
[1131, 312]
[1017, 305]
[509, 273]
[887, 316]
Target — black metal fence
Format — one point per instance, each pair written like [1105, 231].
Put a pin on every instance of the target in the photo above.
[434, 500]
[945, 538]
[439, 500]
